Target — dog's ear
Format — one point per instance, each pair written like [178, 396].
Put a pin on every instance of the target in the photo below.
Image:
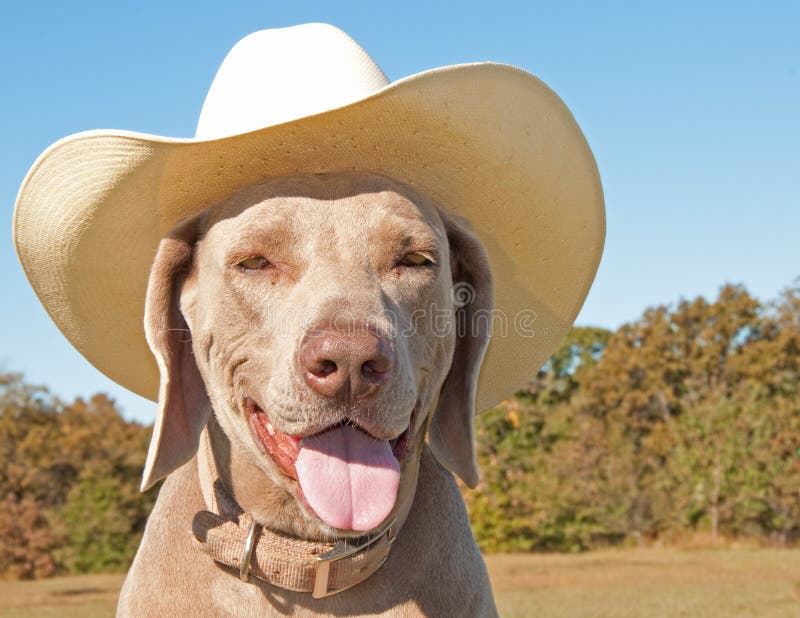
[183, 406]
[452, 430]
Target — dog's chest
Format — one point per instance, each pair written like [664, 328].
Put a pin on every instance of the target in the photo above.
[232, 597]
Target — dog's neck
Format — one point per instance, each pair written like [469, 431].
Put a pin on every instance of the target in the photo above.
[216, 495]
[235, 539]
[223, 469]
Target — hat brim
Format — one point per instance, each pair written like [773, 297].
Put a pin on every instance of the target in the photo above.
[487, 141]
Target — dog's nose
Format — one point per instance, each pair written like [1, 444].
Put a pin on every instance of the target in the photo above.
[345, 364]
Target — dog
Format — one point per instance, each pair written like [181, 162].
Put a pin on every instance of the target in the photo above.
[241, 312]
[326, 258]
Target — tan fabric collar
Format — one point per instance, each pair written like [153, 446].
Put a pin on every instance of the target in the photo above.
[234, 539]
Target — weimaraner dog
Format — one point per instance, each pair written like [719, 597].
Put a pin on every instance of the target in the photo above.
[308, 340]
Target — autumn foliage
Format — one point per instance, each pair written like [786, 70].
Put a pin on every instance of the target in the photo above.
[69, 497]
[685, 421]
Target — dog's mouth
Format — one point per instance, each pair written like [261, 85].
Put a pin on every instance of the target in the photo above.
[346, 476]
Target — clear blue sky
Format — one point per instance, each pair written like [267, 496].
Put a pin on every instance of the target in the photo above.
[691, 110]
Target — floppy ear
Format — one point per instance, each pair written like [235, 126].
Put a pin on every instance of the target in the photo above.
[183, 406]
[452, 430]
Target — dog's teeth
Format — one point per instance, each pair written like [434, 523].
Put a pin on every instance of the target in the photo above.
[270, 429]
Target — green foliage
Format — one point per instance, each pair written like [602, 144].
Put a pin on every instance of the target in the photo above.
[68, 480]
[687, 420]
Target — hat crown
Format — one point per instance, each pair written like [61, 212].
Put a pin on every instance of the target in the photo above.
[274, 76]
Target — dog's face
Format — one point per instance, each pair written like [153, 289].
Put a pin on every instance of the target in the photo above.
[322, 327]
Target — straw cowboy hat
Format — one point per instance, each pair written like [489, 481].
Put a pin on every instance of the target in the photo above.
[488, 141]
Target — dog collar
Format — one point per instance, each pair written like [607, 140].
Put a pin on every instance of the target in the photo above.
[234, 539]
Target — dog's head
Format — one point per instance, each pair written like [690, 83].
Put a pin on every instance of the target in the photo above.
[315, 317]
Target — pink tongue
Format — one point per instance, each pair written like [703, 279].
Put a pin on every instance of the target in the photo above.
[349, 478]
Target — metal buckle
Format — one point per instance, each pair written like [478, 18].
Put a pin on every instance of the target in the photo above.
[342, 550]
[247, 551]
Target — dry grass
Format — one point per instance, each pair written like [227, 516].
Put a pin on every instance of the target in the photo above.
[85, 596]
[655, 583]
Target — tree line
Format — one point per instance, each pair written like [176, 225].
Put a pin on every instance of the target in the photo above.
[684, 421]
[69, 495]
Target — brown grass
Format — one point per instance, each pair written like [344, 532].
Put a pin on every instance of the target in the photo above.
[651, 582]
[88, 596]
[656, 583]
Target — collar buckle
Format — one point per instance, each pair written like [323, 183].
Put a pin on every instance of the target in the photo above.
[342, 550]
[247, 551]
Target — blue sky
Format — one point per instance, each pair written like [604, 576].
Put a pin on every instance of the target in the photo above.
[691, 110]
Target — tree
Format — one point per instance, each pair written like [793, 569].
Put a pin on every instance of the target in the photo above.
[69, 475]
[685, 420]
[27, 541]
[557, 380]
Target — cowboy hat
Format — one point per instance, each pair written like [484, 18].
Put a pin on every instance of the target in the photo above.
[487, 141]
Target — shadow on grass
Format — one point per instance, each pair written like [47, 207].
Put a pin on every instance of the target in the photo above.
[78, 591]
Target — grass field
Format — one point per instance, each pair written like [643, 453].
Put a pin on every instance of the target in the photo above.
[632, 583]
[648, 583]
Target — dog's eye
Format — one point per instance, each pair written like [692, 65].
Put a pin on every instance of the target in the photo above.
[254, 263]
[415, 258]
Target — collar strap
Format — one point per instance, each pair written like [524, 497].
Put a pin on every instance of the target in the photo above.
[236, 540]
[304, 566]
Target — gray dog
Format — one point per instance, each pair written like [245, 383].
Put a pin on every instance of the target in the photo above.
[320, 270]
[354, 265]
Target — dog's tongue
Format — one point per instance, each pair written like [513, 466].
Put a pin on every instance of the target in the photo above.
[349, 478]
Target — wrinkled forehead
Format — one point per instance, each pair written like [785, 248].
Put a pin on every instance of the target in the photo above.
[351, 198]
